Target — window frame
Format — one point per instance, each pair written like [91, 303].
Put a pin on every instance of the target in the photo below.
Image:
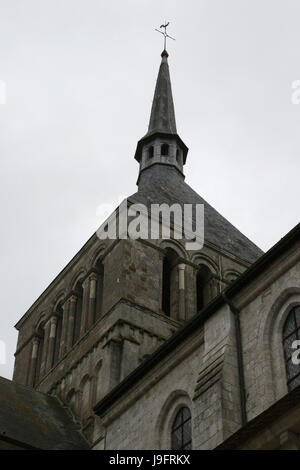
[184, 422]
[165, 149]
[285, 338]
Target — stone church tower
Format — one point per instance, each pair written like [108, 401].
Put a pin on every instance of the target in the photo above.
[109, 320]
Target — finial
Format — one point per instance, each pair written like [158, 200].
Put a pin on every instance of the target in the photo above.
[164, 33]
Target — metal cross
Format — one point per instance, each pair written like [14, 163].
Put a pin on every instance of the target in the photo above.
[164, 33]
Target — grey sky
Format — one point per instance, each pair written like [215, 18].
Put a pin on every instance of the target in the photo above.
[80, 77]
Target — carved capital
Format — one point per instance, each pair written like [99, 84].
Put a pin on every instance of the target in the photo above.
[36, 340]
[53, 320]
[93, 277]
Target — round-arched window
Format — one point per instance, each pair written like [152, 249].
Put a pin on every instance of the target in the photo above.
[181, 435]
[291, 333]
[203, 287]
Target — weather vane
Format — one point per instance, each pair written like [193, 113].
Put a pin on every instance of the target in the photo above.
[164, 33]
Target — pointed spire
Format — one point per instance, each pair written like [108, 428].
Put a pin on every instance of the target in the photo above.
[162, 126]
[162, 118]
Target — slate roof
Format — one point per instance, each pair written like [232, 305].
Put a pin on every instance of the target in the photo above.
[162, 118]
[37, 420]
[160, 184]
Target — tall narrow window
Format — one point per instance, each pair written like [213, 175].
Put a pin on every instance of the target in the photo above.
[99, 294]
[170, 287]
[165, 150]
[40, 352]
[78, 314]
[178, 159]
[291, 333]
[203, 287]
[181, 435]
[166, 291]
[59, 313]
[150, 152]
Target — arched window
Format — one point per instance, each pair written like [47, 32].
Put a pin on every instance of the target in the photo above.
[291, 333]
[203, 290]
[165, 150]
[170, 284]
[58, 331]
[78, 314]
[99, 293]
[150, 152]
[166, 286]
[181, 434]
[40, 354]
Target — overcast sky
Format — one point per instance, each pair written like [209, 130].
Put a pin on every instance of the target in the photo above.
[80, 77]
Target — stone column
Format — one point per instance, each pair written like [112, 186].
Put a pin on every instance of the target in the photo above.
[85, 306]
[64, 330]
[181, 295]
[51, 344]
[71, 321]
[92, 299]
[33, 361]
[45, 348]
